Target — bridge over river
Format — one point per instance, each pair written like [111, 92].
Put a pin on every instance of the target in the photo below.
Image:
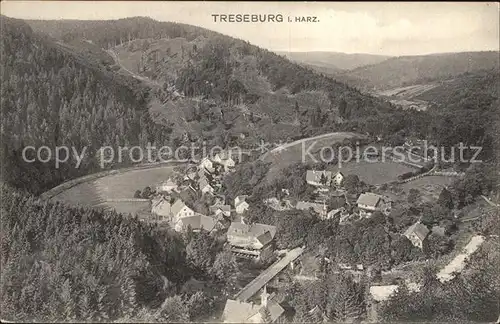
[255, 285]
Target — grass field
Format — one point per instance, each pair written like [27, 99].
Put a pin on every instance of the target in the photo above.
[430, 187]
[115, 186]
[374, 173]
[294, 152]
[142, 209]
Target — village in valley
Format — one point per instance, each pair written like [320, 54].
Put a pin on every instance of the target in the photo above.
[255, 169]
[194, 200]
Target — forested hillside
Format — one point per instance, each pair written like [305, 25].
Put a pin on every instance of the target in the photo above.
[60, 263]
[334, 60]
[408, 70]
[54, 98]
[231, 93]
[245, 81]
[68, 92]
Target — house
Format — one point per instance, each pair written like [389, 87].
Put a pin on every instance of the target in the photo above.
[206, 164]
[202, 173]
[318, 178]
[417, 234]
[180, 210]
[240, 204]
[225, 159]
[251, 241]
[336, 213]
[320, 209]
[197, 223]
[438, 230]
[338, 178]
[161, 207]
[171, 213]
[236, 311]
[204, 186]
[278, 205]
[191, 176]
[224, 210]
[369, 203]
[166, 186]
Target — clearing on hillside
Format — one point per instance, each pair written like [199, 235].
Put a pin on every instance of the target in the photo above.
[430, 186]
[374, 173]
[291, 153]
[117, 186]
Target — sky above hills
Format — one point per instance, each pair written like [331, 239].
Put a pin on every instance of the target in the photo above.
[396, 28]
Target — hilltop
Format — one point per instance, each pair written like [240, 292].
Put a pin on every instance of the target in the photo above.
[334, 61]
[410, 70]
[218, 82]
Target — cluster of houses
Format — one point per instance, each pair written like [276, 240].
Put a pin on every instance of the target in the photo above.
[330, 185]
[268, 311]
[363, 206]
[205, 179]
[251, 241]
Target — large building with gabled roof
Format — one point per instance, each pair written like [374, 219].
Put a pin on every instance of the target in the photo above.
[251, 241]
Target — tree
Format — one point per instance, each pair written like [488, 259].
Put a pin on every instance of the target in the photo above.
[146, 192]
[346, 302]
[445, 199]
[343, 111]
[137, 194]
[323, 180]
[351, 183]
[436, 245]
[292, 228]
[225, 267]
[199, 305]
[173, 310]
[200, 252]
[413, 195]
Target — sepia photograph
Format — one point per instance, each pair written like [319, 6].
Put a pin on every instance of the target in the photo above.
[249, 162]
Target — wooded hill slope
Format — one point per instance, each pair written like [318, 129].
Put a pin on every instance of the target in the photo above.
[408, 70]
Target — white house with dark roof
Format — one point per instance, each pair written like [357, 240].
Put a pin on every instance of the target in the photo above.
[251, 241]
[417, 234]
[166, 186]
[240, 204]
[205, 186]
[320, 209]
[340, 213]
[236, 311]
[197, 223]
[161, 207]
[180, 210]
[171, 213]
[225, 159]
[338, 178]
[206, 164]
[319, 178]
[369, 203]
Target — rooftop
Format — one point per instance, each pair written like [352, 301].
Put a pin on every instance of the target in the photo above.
[419, 229]
[241, 312]
[369, 199]
[315, 176]
[261, 232]
[199, 221]
[178, 206]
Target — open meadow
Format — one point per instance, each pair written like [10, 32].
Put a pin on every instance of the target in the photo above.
[116, 186]
[430, 186]
[374, 173]
[288, 154]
